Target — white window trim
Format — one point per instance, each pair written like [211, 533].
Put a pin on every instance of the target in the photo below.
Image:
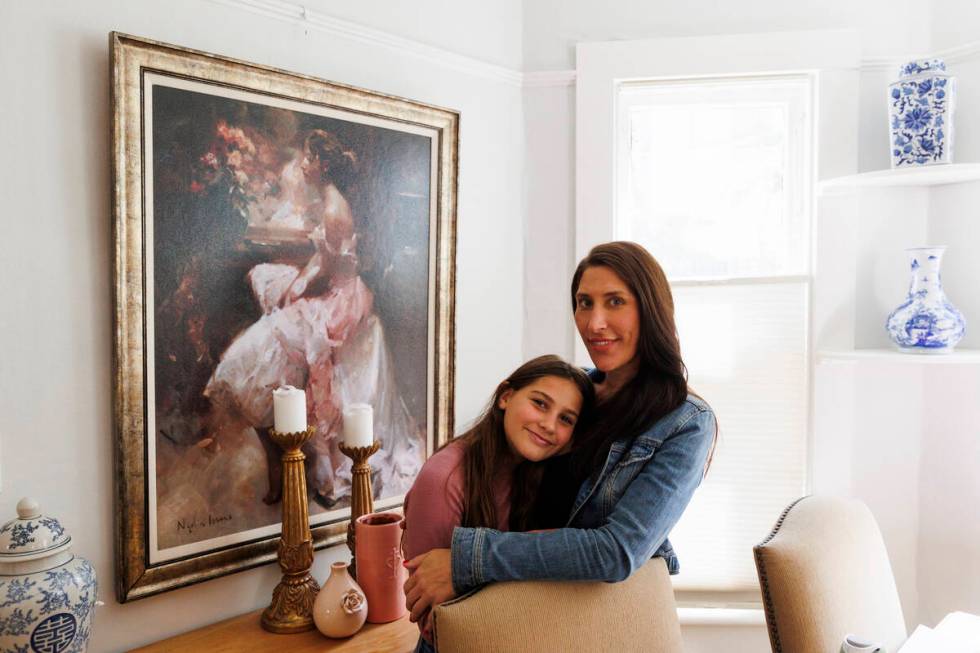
[725, 617]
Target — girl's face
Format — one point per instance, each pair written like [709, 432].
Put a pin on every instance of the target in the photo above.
[607, 316]
[540, 417]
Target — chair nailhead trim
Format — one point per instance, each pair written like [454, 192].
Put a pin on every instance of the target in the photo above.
[764, 580]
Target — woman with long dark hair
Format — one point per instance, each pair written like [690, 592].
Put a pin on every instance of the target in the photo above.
[635, 468]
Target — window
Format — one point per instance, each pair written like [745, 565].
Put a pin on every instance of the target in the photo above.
[714, 178]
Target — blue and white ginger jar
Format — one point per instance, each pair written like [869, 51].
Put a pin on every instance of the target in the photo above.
[920, 109]
[47, 594]
[926, 323]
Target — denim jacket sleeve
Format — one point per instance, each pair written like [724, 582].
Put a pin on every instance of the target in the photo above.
[635, 527]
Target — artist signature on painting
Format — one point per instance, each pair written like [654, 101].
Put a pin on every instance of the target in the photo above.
[190, 525]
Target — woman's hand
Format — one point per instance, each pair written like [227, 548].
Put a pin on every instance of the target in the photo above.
[430, 583]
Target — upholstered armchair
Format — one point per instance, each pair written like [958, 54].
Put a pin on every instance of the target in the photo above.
[825, 573]
[638, 614]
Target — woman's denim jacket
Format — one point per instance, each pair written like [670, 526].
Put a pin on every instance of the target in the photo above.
[619, 520]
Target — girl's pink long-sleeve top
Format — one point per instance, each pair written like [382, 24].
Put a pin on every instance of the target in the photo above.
[434, 505]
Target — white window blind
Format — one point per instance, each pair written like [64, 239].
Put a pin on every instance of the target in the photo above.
[714, 178]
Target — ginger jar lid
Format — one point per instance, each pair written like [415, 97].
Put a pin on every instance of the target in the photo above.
[923, 66]
[32, 535]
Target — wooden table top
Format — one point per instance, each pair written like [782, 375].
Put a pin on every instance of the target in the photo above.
[244, 634]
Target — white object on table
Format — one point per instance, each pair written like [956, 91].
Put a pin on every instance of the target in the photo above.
[289, 408]
[958, 632]
[358, 425]
[963, 627]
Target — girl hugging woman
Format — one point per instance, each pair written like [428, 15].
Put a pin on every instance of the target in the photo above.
[489, 476]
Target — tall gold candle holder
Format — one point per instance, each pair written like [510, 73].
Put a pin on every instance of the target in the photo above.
[291, 610]
[361, 496]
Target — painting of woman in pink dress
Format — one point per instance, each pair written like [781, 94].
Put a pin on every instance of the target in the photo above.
[298, 248]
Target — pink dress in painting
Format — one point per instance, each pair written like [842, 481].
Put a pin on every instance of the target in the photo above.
[331, 343]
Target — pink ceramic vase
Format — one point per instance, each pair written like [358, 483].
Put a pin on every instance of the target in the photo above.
[377, 544]
[340, 608]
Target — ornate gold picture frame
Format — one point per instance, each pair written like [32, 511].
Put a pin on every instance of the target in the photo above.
[269, 228]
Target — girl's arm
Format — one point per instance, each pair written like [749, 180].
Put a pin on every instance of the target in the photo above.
[638, 524]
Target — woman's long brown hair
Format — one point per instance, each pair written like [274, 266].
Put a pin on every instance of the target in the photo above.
[337, 164]
[660, 385]
[486, 448]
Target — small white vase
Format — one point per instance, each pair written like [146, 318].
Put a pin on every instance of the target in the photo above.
[340, 608]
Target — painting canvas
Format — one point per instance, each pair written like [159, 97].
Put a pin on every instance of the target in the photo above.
[271, 229]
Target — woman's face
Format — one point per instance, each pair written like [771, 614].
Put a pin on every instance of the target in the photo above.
[540, 417]
[312, 169]
[607, 316]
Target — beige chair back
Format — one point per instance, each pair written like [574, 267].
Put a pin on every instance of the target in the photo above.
[824, 573]
[638, 614]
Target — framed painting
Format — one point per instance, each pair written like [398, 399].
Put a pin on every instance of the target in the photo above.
[270, 228]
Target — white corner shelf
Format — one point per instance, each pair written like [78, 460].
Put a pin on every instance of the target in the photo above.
[957, 357]
[931, 175]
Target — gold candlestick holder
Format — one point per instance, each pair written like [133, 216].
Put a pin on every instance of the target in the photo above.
[361, 495]
[291, 610]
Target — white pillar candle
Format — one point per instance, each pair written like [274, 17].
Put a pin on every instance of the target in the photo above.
[289, 408]
[358, 425]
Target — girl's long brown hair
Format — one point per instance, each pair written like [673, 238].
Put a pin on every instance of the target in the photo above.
[660, 385]
[486, 448]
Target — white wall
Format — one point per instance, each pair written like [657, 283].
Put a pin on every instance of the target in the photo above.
[949, 533]
[488, 31]
[553, 27]
[954, 22]
[55, 255]
[550, 250]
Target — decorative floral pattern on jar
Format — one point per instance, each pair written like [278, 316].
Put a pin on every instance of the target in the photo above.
[920, 108]
[926, 323]
[46, 593]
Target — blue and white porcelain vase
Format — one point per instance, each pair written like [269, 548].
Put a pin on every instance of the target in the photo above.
[920, 109]
[47, 594]
[926, 323]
